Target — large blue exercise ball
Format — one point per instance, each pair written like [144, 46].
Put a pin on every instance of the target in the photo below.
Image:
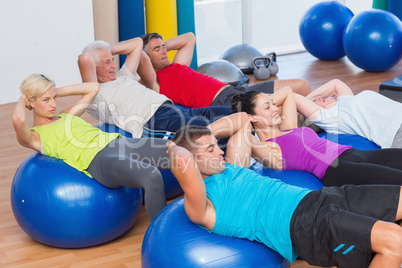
[321, 29]
[60, 206]
[373, 40]
[172, 240]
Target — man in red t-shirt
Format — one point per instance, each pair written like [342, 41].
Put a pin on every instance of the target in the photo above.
[187, 87]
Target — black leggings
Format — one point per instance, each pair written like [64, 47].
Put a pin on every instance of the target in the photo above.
[383, 166]
[134, 163]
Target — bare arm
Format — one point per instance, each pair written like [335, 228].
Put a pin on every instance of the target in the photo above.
[87, 67]
[284, 98]
[333, 88]
[132, 48]
[307, 107]
[25, 136]
[147, 72]
[88, 92]
[239, 148]
[267, 153]
[243, 144]
[189, 177]
[184, 44]
[228, 125]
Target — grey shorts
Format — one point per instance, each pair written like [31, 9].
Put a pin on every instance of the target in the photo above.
[225, 97]
[332, 226]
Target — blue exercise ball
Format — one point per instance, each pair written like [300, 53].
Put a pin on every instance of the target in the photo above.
[373, 40]
[321, 29]
[60, 206]
[356, 141]
[172, 186]
[172, 240]
[293, 177]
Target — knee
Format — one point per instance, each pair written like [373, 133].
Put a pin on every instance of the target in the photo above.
[154, 180]
[396, 248]
[393, 245]
[299, 86]
[303, 87]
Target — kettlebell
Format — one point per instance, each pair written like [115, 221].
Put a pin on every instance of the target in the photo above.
[261, 67]
[274, 65]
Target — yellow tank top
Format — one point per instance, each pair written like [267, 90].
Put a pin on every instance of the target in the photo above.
[73, 140]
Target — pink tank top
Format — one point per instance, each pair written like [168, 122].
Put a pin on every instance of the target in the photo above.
[187, 87]
[303, 150]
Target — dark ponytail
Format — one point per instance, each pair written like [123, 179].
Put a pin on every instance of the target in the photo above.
[244, 102]
[236, 103]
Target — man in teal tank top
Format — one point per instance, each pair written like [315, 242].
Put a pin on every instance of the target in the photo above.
[333, 226]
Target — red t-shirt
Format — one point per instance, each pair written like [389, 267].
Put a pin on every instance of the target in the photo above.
[187, 87]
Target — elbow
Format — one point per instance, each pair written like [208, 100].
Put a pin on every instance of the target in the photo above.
[288, 93]
[94, 87]
[18, 120]
[137, 42]
[190, 38]
[336, 81]
[180, 160]
[191, 35]
[287, 89]
[84, 59]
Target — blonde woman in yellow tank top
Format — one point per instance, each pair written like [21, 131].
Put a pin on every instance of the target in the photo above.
[107, 157]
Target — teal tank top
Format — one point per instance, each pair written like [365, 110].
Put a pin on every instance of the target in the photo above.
[249, 205]
[73, 140]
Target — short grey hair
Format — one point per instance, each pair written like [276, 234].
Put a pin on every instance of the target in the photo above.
[148, 37]
[94, 48]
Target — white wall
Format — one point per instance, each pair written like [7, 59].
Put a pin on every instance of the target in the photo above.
[42, 36]
[275, 24]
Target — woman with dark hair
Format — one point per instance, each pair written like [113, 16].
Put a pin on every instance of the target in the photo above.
[285, 146]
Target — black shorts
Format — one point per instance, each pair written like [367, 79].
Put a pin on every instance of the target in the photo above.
[225, 97]
[332, 226]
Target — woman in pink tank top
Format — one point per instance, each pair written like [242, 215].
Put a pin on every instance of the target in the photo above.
[284, 146]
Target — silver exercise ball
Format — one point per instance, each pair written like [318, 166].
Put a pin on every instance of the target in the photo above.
[224, 71]
[241, 56]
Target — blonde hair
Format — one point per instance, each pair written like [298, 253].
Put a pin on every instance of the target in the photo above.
[35, 85]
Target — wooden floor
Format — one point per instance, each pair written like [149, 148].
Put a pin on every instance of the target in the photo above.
[19, 250]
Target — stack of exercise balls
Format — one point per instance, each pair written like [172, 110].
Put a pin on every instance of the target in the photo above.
[372, 40]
